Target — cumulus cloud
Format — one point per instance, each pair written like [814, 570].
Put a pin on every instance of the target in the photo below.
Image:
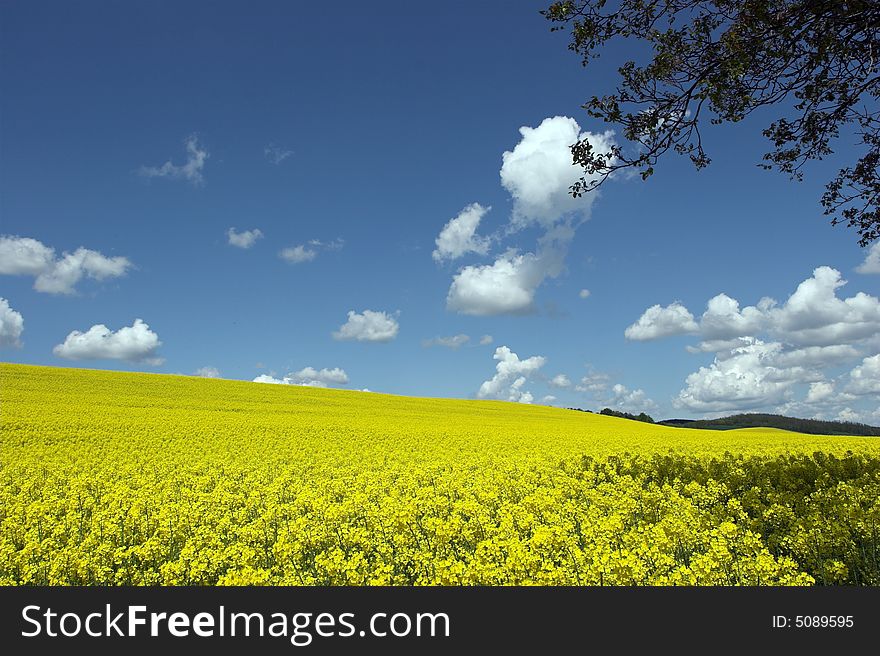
[458, 237]
[872, 260]
[747, 377]
[505, 287]
[136, 343]
[560, 381]
[548, 400]
[817, 356]
[208, 372]
[657, 322]
[812, 316]
[538, 172]
[764, 352]
[191, 170]
[454, 342]
[820, 391]
[593, 383]
[631, 401]
[865, 378]
[311, 377]
[617, 396]
[298, 254]
[26, 256]
[486, 340]
[23, 256]
[848, 414]
[243, 239]
[508, 285]
[716, 345]
[276, 154]
[308, 377]
[64, 274]
[266, 378]
[510, 376]
[368, 326]
[11, 325]
[723, 318]
[584, 293]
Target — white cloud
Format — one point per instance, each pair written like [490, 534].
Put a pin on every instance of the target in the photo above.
[308, 377]
[265, 378]
[724, 320]
[814, 315]
[716, 345]
[539, 171]
[560, 381]
[584, 293]
[765, 353]
[454, 342]
[64, 274]
[308, 252]
[11, 325]
[136, 343]
[486, 340]
[208, 372]
[848, 414]
[510, 376]
[298, 254]
[820, 392]
[508, 285]
[813, 331]
[505, 287]
[548, 400]
[458, 237]
[817, 356]
[617, 397]
[191, 171]
[311, 377]
[865, 378]
[872, 260]
[747, 377]
[276, 154]
[631, 401]
[593, 383]
[368, 326]
[23, 256]
[26, 256]
[243, 239]
[657, 322]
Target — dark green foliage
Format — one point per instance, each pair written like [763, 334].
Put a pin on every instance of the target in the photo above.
[756, 420]
[626, 415]
[815, 61]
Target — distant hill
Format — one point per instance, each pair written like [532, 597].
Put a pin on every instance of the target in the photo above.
[756, 420]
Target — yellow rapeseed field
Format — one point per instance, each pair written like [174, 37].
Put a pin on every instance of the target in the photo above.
[111, 478]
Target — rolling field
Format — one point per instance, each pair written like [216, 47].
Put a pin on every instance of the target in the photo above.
[113, 478]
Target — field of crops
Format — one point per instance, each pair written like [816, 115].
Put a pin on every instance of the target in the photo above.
[142, 479]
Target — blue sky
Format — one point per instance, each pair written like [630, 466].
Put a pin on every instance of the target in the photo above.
[368, 144]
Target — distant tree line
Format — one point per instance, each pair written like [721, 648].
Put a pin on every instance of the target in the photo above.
[758, 420]
[626, 415]
[755, 420]
[623, 415]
